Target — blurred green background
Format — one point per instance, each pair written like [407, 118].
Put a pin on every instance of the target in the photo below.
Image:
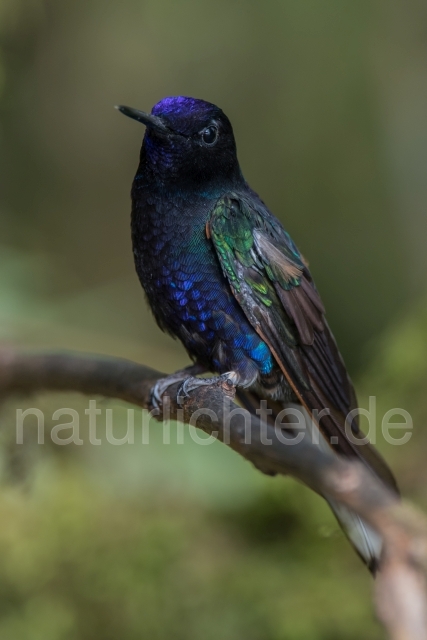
[328, 99]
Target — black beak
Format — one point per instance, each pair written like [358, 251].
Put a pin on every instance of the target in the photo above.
[146, 118]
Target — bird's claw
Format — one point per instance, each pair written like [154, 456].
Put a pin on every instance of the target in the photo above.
[190, 384]
[158, 390]
[162, 385]
[228, 380]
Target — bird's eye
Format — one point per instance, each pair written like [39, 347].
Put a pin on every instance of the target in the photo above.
[210, 135]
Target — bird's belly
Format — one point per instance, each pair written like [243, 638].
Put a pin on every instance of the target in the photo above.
[192, 300]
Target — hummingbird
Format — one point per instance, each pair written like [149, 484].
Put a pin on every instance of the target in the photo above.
[222, 275]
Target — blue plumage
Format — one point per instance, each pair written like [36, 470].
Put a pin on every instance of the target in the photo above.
[192, 299]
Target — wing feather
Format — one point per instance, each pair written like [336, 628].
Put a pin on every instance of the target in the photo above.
[272, 283]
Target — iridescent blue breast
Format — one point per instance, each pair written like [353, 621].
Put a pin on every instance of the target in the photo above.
[187, 291]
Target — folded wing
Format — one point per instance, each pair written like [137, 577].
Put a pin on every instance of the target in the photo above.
[272, 283]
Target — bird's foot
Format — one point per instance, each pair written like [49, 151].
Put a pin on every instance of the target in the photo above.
[163, 384]
[228, 382]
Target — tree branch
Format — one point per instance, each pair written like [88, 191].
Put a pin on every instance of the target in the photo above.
[400, 591]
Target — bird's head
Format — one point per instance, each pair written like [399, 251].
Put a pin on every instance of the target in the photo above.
[187, 141]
